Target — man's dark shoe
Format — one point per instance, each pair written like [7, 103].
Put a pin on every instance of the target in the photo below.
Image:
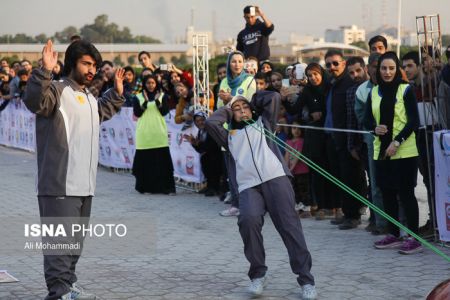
[380, 230]
[371, 227]
[337, 221]
[349, 224]
[210, 193]
[203, 190]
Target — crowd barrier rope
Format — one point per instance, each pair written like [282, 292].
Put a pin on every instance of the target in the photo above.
[117, 140]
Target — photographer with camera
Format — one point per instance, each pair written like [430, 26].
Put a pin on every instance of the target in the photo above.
[253, 40]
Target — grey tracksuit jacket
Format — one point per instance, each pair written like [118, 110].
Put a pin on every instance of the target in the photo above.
[257, 159]
[67, 133]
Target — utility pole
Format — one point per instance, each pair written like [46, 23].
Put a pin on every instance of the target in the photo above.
[399, 24]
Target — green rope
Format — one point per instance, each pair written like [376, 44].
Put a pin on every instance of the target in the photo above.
[344, 187]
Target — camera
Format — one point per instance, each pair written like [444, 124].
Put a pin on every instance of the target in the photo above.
[165, 67]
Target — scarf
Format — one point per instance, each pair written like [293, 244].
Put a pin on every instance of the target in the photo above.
[151, 96]
[388, 91]
[237, 81]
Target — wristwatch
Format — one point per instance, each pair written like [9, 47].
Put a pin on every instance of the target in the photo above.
[396, 143]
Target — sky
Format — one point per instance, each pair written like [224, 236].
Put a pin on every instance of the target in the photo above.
[167, 19]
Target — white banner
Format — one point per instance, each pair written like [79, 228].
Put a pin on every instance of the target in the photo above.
[17, 126]
[117, 139]
[442, 182]
[117, 145]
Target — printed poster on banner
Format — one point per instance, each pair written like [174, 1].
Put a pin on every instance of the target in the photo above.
[186, 161]
[442, 182]
[17, 126]
[117, 140]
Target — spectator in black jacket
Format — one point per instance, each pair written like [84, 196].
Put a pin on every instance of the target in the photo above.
[253, 40]
[342, 165]
[211, 155]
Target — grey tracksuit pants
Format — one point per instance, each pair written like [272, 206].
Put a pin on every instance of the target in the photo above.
[59, 270]
[277, 197]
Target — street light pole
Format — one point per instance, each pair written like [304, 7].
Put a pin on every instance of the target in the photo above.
[399, 23]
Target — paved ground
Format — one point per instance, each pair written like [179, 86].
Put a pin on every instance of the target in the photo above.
[199, 255]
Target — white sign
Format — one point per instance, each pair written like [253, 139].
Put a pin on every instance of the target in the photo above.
[117, 145]
[17, 126]
[442, 182]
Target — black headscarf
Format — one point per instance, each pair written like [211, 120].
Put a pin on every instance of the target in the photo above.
[388, 91]
[321, 88]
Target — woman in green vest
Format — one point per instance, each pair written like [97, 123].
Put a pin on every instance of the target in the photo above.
[237, 81]
[392, 113]
[152, 165]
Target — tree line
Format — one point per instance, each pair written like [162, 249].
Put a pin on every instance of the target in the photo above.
[101, 31]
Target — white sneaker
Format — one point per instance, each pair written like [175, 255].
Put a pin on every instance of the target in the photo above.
[228, 198]
[77, 293]
[257, 285]
[230, 212]
[309, 292]
[67, 296]
[299, 206]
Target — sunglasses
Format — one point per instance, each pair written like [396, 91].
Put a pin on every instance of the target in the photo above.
[334, 63]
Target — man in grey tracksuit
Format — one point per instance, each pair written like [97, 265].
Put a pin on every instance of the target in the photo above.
[263, 182]
[67, 142]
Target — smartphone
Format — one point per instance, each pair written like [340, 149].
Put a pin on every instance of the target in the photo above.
[252, 11]
[299, 73]
[285, 82]
[164, 67]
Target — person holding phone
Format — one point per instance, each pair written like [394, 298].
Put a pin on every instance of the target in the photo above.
[253, 40]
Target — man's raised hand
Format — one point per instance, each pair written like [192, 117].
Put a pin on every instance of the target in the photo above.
[118, 80]
[49, 57]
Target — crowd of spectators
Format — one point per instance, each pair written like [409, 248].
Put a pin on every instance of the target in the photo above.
[338, 95]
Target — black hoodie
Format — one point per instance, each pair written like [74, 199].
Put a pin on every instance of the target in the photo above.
[254, 40]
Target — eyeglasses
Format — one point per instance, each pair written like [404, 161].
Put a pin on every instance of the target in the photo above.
[334, 63]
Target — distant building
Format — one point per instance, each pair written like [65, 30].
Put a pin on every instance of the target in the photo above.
[345, 35]
[409, 39]
[302, 40]
[316, 52]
